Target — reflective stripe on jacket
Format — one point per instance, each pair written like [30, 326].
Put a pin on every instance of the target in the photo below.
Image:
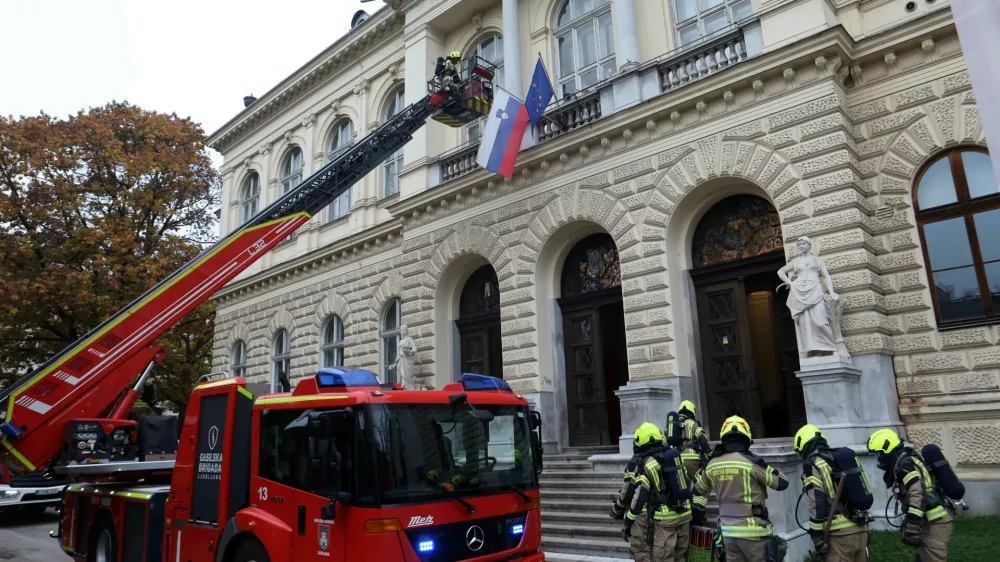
[916, 490]
[649, 487]
[740, 481]
[817, 479]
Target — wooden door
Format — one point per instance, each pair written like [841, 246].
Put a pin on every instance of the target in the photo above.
[476, 351]
[585, 396]
[727, 357]
[790, 364]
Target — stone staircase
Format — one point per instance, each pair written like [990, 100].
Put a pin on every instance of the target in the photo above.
[576, 497]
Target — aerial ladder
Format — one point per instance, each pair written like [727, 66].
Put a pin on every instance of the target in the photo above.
[88, 387]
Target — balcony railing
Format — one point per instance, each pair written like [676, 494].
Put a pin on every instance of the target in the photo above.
[571, 115]
[459, 162]
[698, 62]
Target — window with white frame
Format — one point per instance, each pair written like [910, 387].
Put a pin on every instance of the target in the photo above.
[238, 359]
[394, 163]
[291, 170]
[701, 18]
[341, 138]
[281, 358]
[585, 45]
[249, 197]
[390, 340]
[332, 345]
[490, 49]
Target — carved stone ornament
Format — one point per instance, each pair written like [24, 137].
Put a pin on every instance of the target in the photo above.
[890, 63]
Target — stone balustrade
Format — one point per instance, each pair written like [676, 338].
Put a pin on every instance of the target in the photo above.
[459, 162]
[703, 60]
[571, 115]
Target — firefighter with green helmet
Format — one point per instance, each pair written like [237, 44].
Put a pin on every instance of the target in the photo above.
[652, 502]
[740, 480]
[695, 450]
[928, 523]
[839, 534]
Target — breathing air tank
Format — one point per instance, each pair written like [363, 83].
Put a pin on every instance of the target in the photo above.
[675, 475]
[948, 483]
[857, 494]
[674, 431]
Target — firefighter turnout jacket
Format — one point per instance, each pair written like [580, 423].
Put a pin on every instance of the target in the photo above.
[820, 489]
[695, 447]
[915, 490]
[646, 490]
[740, 481]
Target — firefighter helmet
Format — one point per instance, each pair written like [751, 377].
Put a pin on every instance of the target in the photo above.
[736, 425]
[806, 435]
[648, 434]
[455, 55]
[884, 441]
[687, 405]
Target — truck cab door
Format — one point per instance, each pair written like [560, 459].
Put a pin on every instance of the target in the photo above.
[317, 538]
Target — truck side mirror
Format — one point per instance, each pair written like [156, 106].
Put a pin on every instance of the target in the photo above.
[535, 423]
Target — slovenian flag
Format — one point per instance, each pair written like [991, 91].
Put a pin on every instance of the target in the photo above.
[501, 140]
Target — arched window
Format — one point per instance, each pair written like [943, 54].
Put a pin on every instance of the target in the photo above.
[957, 204]
[332, 346]
[394, 163]
[291, 170]
[585, 44]
[700, 18]
[281, 358]
[592, 265]
[489, 48]
[736, 228]
[238, 359]
[341, 138]
[249, 197]
[389, 334]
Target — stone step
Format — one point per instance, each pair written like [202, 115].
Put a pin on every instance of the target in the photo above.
[560, 475]
[611, 548]
[581, 485]
[582, 531]
[581, 465]
[575, 506]
[563, 557]
[585, 518]
[581, 495]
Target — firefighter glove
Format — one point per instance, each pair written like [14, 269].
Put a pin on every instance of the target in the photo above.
[911, 534]
[821, 548]
[627, 529]
[617, 512]
[697, 514]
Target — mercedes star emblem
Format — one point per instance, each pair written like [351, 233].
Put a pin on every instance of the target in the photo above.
[475, 538]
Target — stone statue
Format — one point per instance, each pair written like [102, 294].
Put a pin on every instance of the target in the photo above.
[406, 354]
[815, 309]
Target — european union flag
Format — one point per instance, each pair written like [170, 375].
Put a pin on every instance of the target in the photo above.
[540, 93]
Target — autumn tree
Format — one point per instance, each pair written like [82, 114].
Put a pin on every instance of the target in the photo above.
[94, 210]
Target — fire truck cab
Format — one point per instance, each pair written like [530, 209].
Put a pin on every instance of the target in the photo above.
[340, 469]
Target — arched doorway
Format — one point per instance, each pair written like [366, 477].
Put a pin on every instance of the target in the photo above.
[593, 340]
[749, 354]
[479, 324]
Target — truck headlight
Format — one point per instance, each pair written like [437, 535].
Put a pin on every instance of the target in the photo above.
[9, 495]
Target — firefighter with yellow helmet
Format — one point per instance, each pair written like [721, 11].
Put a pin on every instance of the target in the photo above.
[695, 450]
[447, 69]
[657, 521]
[838, 533]
[928, 523]
[740, 481]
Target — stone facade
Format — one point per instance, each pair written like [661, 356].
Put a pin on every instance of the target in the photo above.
[831, 128]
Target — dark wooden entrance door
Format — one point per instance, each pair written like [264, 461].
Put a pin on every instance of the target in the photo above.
[585, 381]
[479, 324]
[727, 358]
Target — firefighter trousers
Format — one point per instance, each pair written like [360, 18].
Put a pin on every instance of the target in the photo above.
[852, 547]
[744, 550]
[934, 537]
[670, 543]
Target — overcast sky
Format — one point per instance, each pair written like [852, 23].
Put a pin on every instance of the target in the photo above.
[197, 58]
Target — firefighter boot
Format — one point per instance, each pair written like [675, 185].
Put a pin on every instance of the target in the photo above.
[934, 542]
[848, 548]
[745, 550]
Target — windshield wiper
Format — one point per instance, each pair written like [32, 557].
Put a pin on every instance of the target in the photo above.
[468, 506]
[513, 488]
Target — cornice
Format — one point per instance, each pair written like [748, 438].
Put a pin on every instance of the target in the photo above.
[350, 249]
[339, 57]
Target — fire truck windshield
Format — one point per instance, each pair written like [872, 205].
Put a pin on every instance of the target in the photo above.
[428, 451]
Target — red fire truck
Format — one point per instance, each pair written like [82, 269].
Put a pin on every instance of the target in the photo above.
[343, 468]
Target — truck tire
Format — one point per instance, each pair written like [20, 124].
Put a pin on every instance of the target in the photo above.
[103, 545]
[250, 550]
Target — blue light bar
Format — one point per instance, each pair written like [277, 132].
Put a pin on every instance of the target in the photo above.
[425, 546]
[345, 376]
[517, 529]
[472, 381]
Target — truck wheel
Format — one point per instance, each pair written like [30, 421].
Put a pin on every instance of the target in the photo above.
[103, 545]
[250, 550]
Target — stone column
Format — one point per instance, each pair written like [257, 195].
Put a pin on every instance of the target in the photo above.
[626, 38]
[512, 49]
[423, 46]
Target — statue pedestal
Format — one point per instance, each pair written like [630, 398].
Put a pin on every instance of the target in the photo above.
[832, 390]
[643, 401]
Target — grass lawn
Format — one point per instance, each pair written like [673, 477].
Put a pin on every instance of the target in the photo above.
[973, 539]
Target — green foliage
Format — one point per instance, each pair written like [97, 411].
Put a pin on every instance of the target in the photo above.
[974, 539]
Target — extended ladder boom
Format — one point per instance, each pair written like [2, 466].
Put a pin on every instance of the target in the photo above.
[85, 379]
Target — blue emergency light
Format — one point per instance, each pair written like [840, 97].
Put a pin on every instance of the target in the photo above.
[344, 377]
[425, 546]
[472, 382]
[517, 529]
